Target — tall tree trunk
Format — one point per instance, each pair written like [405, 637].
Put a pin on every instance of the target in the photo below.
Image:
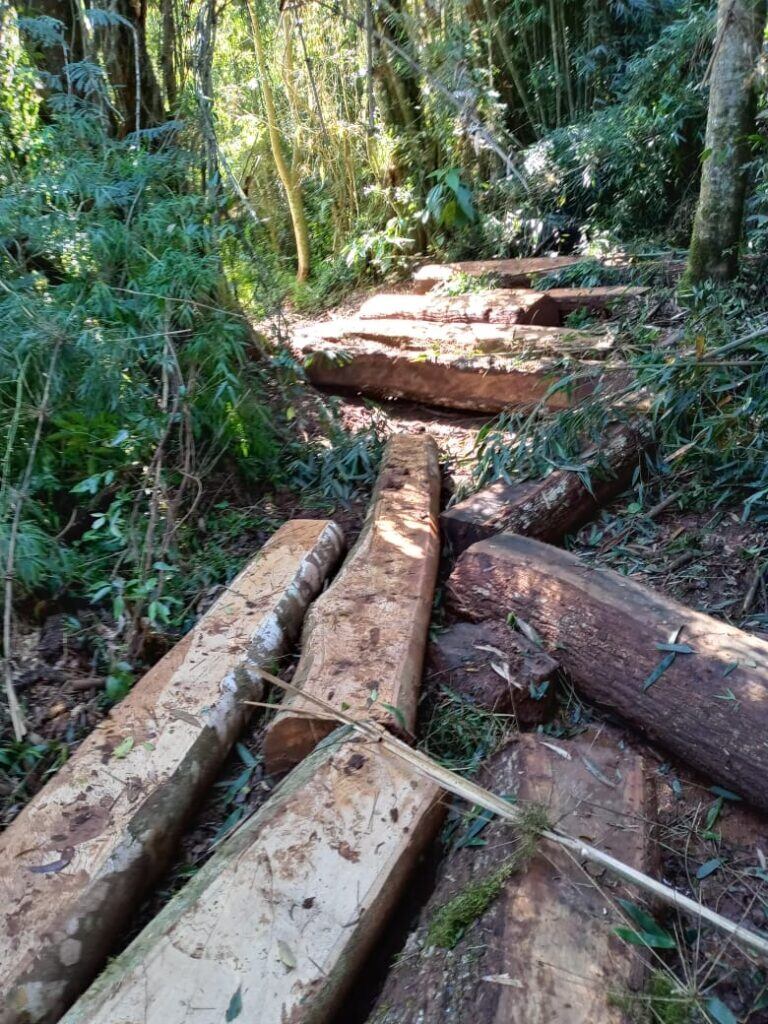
[138, 95]
[720, 213]
[285, 172]
[168, 54]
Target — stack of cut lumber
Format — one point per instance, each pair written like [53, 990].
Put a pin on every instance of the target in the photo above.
[482, 351]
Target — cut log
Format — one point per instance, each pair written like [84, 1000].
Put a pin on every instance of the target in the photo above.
[708, 707]
[77, 860]
[596, 300]
[364, 639]
[543, 950]
[504, 308]
[548, 509]
[489, 665]
[433, 376]
[521, 340]
[278, 922]
[518, 273]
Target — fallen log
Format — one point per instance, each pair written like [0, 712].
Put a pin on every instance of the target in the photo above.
[596, 300]
[548, 509]
[79, 857]
[696, 686]
[276, 925]
[504, 308]
[517, 273]
[364, 639]
[520, 340]
[433, 376]
[531, 940]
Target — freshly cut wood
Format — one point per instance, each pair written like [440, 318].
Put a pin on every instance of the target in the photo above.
[507, 273]
[520, 340]
[569, 300]
[436, 375]
[696, 686]
[560, 503]
[77, 860]
[503, 307]
[278, 922]
[364, 640]
[543, 950]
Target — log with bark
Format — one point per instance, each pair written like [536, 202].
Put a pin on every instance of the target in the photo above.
[516, 273]
[79, 857]
[507, 940]
[364, 640]
[503, 307]
[277, 924]
[696, 686]
[548, 509]
[438, 376]
[474, 338]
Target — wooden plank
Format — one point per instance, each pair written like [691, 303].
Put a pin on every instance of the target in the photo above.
[364, 640]
[519, 340]
[596, 300]
[548, 509]
[709, 707]
[433, 376]
[278, 923]
[504, 307]
[79, 857]
[515, 273]
[544, 950]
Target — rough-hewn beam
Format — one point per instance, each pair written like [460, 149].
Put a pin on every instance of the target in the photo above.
[364, 639]
[518, 273]
[77, 860]
[543, 949]
[503, 307]
[704, 698]
[275, 927]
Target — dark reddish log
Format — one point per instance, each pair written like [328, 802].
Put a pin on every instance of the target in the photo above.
[708, 707]
[480, 383]
[544, 951]
[596, 300]
[505, 308]
[506, 273]
[548, 509]
[495, 668]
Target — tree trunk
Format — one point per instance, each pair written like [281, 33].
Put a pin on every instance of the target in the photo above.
[285, 172]
[130, 70]
[696, 686]
[168, 54]
[719, 217]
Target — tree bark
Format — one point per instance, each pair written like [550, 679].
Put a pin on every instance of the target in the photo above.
[285, 172]
[718, 224]
[80, 856]
[277, 924]
[708, 707]
[139, 98]
[364, 641]
[543, 950]
[548, 509]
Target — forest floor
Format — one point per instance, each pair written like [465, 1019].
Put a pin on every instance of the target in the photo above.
[709, 561]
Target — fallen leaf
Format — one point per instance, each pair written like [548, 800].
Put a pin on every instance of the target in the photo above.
[56, 865]
[235, 1007]
[285, 953]
[503, 979]
[123, 748]
[557, 750]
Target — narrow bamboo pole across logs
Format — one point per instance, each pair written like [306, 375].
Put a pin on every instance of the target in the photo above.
[79, 857]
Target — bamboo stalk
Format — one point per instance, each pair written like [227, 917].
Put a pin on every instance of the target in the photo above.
[453, 783]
